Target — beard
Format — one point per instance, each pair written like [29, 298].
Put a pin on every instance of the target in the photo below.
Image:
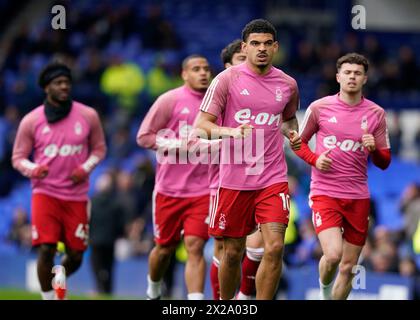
[262, 66]
[59, 100]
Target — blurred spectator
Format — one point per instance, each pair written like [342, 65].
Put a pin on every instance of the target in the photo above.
[407, 267]
[134, 191]
[381, 253]
[88, 88]
[329, 85]
[20, 233]
[395, 135]
[306, 61]
[141, 242]
[408, 69]
[308, 250]
[138, 242]
[121, 144]
[410, 207]
[389, 81]
[384, 258]
[8, 127]
[373, 50]
[351, 43]
[330, 52]
[126, 194]
[123, 81]
[106, 225]
[291, 237]
[160, 78]
[417, 143]
[158, 33]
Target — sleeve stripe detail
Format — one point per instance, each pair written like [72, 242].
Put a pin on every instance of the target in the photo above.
[209, 95]
[305, 120]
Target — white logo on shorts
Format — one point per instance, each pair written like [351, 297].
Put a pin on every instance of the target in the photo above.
[222, 221]
[34, 233]
[318, 219]
[156, 231]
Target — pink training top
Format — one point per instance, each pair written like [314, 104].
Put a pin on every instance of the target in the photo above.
[340, 127]
[237, 96]
[169, 122]
[77, 140]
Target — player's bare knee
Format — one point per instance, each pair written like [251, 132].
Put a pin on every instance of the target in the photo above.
[333, 257]
[218, 246]
[233, 255]
[47, 252]
[75, 257]
[218, 253]
[346, 267]
[195, 247]
[165, 251]
[274, 250]
[232, 258]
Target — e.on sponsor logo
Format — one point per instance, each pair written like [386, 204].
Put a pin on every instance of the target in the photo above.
[52, 150]
[245, 116]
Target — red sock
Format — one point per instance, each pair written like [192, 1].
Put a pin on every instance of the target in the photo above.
[249, 270]
[214, 280]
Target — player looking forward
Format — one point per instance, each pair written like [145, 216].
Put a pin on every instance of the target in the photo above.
[67, 142]
[181, 195]
[256, 103]
[232, 55]
[349, 128]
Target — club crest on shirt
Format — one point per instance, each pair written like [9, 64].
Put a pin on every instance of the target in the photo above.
[78, 128]
[364, 123]
[46, 130]
[185, 110]
[279, 94]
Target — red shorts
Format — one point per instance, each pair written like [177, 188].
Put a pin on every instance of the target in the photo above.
[212, 206]
[56, 220]
[172, 215]
[352, 215]
[237, 212]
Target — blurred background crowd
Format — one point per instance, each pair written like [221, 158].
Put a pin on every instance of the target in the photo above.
[125, 53]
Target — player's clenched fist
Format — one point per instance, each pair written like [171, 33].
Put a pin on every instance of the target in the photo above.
[79, 175]
[40, 172]
[368, 141]
[243, 131]
[323, 163]
[294, 140]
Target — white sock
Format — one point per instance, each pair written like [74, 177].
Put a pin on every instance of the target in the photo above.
[325, 290]
[242, 296]
[153, 288]
[48, 295]
[196, 296]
